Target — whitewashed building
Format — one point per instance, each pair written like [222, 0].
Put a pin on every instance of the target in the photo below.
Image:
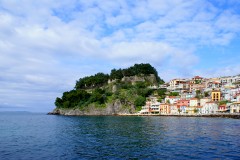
[235, 107]
[174, 109]
[194, 102]
[172, 99]
[209, 108]
[203, 101]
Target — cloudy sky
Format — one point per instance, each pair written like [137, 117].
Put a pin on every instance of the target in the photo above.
[45, 46]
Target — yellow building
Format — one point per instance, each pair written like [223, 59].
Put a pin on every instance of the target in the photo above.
[216, 95]
[164, 108]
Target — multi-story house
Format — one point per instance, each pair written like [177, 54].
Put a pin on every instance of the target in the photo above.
[213, 83]
[172, 99]
[187, 95]
[174, 109]
[216, 95]
[222, 108]
[238, 97]
[231, 94]
[193, 109]
[229, 79]
[146, 109]
[182, 106]
[178, 84]
[197, 79]
[235, 107]
[151, 107]
[204, 100]
[194, 102]
[164, 108]
[209, 108]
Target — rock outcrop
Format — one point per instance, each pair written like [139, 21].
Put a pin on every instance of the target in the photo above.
[140, 78]
[115, 108]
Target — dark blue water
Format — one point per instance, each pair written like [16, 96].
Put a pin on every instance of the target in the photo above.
[39, 136]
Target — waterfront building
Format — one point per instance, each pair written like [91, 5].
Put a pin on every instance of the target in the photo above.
[146, 109]
[209, 108]
[155, 108]
[222, 108]
[235, 107]
[193, 109]
[164, 108]
[174, 109]
[182, 105]
[151, 106]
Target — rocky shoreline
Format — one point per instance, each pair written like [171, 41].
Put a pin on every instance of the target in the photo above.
[115, 108]
[77, 112]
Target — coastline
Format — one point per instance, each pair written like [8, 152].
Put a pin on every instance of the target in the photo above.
[235, 116]
[223, 115]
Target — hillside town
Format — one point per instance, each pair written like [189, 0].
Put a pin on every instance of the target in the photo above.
[196, 96]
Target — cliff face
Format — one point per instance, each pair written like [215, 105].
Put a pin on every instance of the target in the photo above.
[110, 109]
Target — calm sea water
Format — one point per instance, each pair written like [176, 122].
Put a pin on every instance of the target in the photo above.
[39, 136]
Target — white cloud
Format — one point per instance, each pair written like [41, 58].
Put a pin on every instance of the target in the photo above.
[46, 45]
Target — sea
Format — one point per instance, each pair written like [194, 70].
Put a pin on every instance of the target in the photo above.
[30, 136]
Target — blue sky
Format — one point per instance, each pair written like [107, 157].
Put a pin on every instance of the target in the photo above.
[45, 46]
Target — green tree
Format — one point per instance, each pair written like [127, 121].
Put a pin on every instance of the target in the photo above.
[58, 102]
[173, 94]
[206, 94]
[168, 101]
[223, 102]
[116, 74]
[198, 94]
[95, 81]
[195, 110]
[140, 101]
[162, 92]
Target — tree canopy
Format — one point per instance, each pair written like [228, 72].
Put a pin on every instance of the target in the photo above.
[95, 81]
[137, 69]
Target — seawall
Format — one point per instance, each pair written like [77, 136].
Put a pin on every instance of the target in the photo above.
[235, 116]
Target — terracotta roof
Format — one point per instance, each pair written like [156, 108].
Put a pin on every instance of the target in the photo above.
[198, 77]
[205, 98]
[216, 91]
[172, 97]
[164, 104]
[223, 105]
[211, 102]
[183, 100]
[193, 99]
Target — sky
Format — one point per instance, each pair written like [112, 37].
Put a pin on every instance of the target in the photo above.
[45, 46]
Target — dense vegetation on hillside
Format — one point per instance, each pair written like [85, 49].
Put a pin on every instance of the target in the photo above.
[137, 69]
[95, 89]
[95, 81]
